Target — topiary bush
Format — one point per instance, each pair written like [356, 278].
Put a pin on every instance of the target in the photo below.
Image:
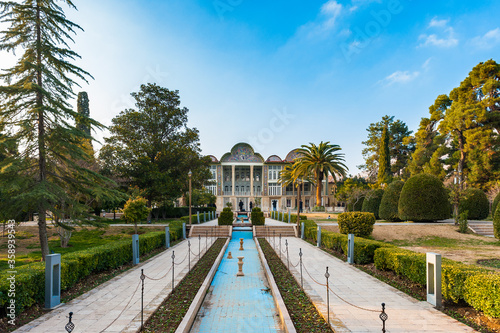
[495, 204]
[226, 217]
[257, 216]
[371, 204]
[476, 203]
[358, 223]
[423, 198]
[388, 209]
[496, 223]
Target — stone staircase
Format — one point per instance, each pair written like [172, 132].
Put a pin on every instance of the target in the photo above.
[484, 228]
[270, 231]
[210, 230]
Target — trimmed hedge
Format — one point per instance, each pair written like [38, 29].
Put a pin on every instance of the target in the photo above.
[476, 286]
[176, 212]
[424, 198]
[310, 230]
[226, 217]
[358, 223]
[371, 204]
[30, 279]
[496, 223]
[388, 209]
[476, 203]
[495, 205]
[257, 216]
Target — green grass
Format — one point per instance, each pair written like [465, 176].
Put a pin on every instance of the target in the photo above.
[495, 263]
[434, 241]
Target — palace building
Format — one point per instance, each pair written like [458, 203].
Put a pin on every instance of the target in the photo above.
[242, 176]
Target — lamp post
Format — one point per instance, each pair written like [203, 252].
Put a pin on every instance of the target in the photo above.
[190, 174]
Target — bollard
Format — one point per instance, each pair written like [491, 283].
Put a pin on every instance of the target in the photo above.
[302, 230]
[327, 275]
[173, 268]
[433, 271]
[142, 299]
[301, 280]
[205, 217]
[167, 237]
[289, 217]
[70, 326]
[135, 248]
[240, 267]
[241, 244]
[350, 248]
[319, 236]
[383, 316]
[287, 257]
[198, 217]
[52, 280]
[184, 231]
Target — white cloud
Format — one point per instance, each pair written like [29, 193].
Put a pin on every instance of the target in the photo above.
[324, 23]
[488, 40]
[425, 65]
[400, 77]
[435, 39]
[438, 23]
[331, 10]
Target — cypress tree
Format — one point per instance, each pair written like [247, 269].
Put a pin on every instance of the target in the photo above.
[384, 159]
[35, 99]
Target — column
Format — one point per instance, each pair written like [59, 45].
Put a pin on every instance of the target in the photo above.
[251, 181]
[233, 171]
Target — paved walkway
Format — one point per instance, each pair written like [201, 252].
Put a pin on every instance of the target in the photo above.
[239, 304]
[356, 287]
[115, 306]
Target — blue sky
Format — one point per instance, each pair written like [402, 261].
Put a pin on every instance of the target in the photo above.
[278, 74]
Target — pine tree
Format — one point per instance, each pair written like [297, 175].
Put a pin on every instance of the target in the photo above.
[35, 100]
[384, 158]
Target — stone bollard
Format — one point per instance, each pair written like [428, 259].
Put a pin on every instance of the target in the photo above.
[319, 236]
[229, 256]
[167, 237]
[350, 248]
[52, 280]
[240, 267]
[433, 270]
[241, 244]
[302, 230]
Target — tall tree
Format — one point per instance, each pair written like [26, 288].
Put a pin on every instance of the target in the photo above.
[321, 160]
[384, 158]
[152, 148]
[35, 100]
[399, 146]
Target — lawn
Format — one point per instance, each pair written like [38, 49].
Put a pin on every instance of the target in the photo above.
[28, 248]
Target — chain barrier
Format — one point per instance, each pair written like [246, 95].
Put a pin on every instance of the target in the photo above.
[157, 279]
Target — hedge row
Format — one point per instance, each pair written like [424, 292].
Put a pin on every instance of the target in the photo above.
[257, 217]
[459, 282]
[281, 216]
[226, 217]
[194, 218]
[30, 279]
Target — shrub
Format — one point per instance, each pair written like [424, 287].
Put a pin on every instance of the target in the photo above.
[496, 223]
[371, 203]
[357, 223]
[483, 292]
[476, 203]
[226, 217]
[364, 249]
[257, 216]
[423, 198]
[495, 204]
[463, 224]
[293, 217]
[388, 209]
[310, 230]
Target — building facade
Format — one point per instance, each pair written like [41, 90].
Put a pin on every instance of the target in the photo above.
[241, 176]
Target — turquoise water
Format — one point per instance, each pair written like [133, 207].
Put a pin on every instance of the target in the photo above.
[239, 304]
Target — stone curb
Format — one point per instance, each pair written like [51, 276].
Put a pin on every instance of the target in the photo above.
[189, 318]
[286, 321]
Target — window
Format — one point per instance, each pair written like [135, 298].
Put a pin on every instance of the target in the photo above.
[257, 177]
[226, 189]
[237, 188]
[237, 175]
[288, 202]
[274, 189]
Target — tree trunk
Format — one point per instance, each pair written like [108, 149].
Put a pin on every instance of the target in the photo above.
[461, 162]
[298, 212]
[42, 223]
[319, 184]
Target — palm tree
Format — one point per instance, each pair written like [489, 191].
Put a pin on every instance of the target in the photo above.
[319, 161]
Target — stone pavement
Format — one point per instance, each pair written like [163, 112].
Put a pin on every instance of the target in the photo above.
[406, 314]
[239, 304]
[115, 306]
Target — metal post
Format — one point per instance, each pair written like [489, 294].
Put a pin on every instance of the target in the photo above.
[173, 268]
[327, 275]
[190, 174]
[301, 280]
[302, 230]
[319, 236]
[287, 257]
[189, 256]
[167, 237]
[383, 316]
[142, 299]
[70, 326]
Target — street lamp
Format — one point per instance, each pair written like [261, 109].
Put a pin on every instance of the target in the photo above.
[190, 174]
